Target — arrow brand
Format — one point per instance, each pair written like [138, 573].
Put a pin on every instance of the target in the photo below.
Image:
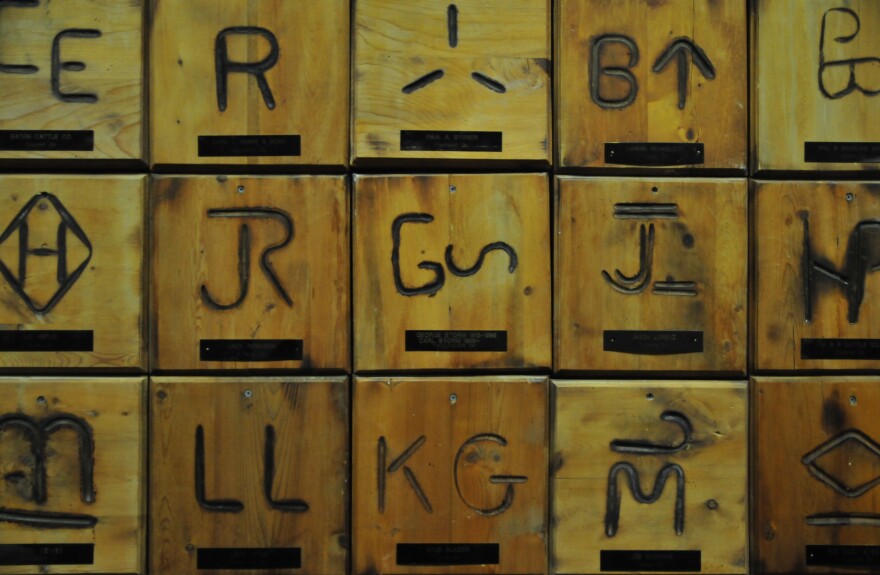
[679, 50]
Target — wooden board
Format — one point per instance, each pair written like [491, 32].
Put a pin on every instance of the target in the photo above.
[666, 435]
[452, 470]
[72, 282]
[836, 327]
[472, 81]
[810, 88]
[686, 312]
[284, 99]
[73, 456]
[672, 74]
[504, 295]
[271, 476]
[815, 443]
[290, 312]
[87, 104]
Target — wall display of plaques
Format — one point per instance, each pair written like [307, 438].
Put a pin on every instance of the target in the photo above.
[651, 275]
[261, 264]
[249, 474]
[652, 84]
[467, 283]
[816, 467]
[450, 475]
[650, 477]
[468, 80]
[72, 460]
[249, 84]
[815, 245]
[72, 272]
[71, 80]
[815, 85]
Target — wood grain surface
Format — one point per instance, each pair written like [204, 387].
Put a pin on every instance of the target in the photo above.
[615, 81]
[99, 75]
[806, 88]
[600, 425]
[92, 233]
[470, 214]
[197, 269]
[806, 428]
[602, 224]
[397, 42]
[96, 425]
[308, 79]
[450, 463]
[306, 423]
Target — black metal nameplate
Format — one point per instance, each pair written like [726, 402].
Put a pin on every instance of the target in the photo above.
[48, 554]
[227, 146]
[843, 556]
[251, 350]
[646, 154]
[842, 152]
[47, 340]
[831, 348]
[438, 554]
[653, 342]
[451, 340]
[228, 558]
[662, 561]
[445, 141]
[47, 141]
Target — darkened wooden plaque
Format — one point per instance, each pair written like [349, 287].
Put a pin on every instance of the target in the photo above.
[650, 477]
[249, 475]
[651, 275]
[816, 468]
[815, 244]
[438, 284]
[262, 263]
[73, 463]
[450, 475]
[72, 272]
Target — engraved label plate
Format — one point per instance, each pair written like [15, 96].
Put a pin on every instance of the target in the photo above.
[450, 141]
[648, 154]
[48, 554]
[842, 152]
[251, 350]
[455, 340]
[47, 140]
[659, 561]
[840, 348]
[438, 554]
[653, 342]
[232, 146]
[852, 556]
[227, 558]
[47, 340]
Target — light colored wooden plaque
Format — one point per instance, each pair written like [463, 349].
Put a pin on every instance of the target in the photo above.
[301, 295]
[807, 88]
[95, 86]
[303, 420]
[81, 242]
[690, 277]
[306, 71]
[89, 486]
[619, 79]
[647, 428]
[842, 222]
[465, 215]
[467, 66]
[815, 444]
[450, 464]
